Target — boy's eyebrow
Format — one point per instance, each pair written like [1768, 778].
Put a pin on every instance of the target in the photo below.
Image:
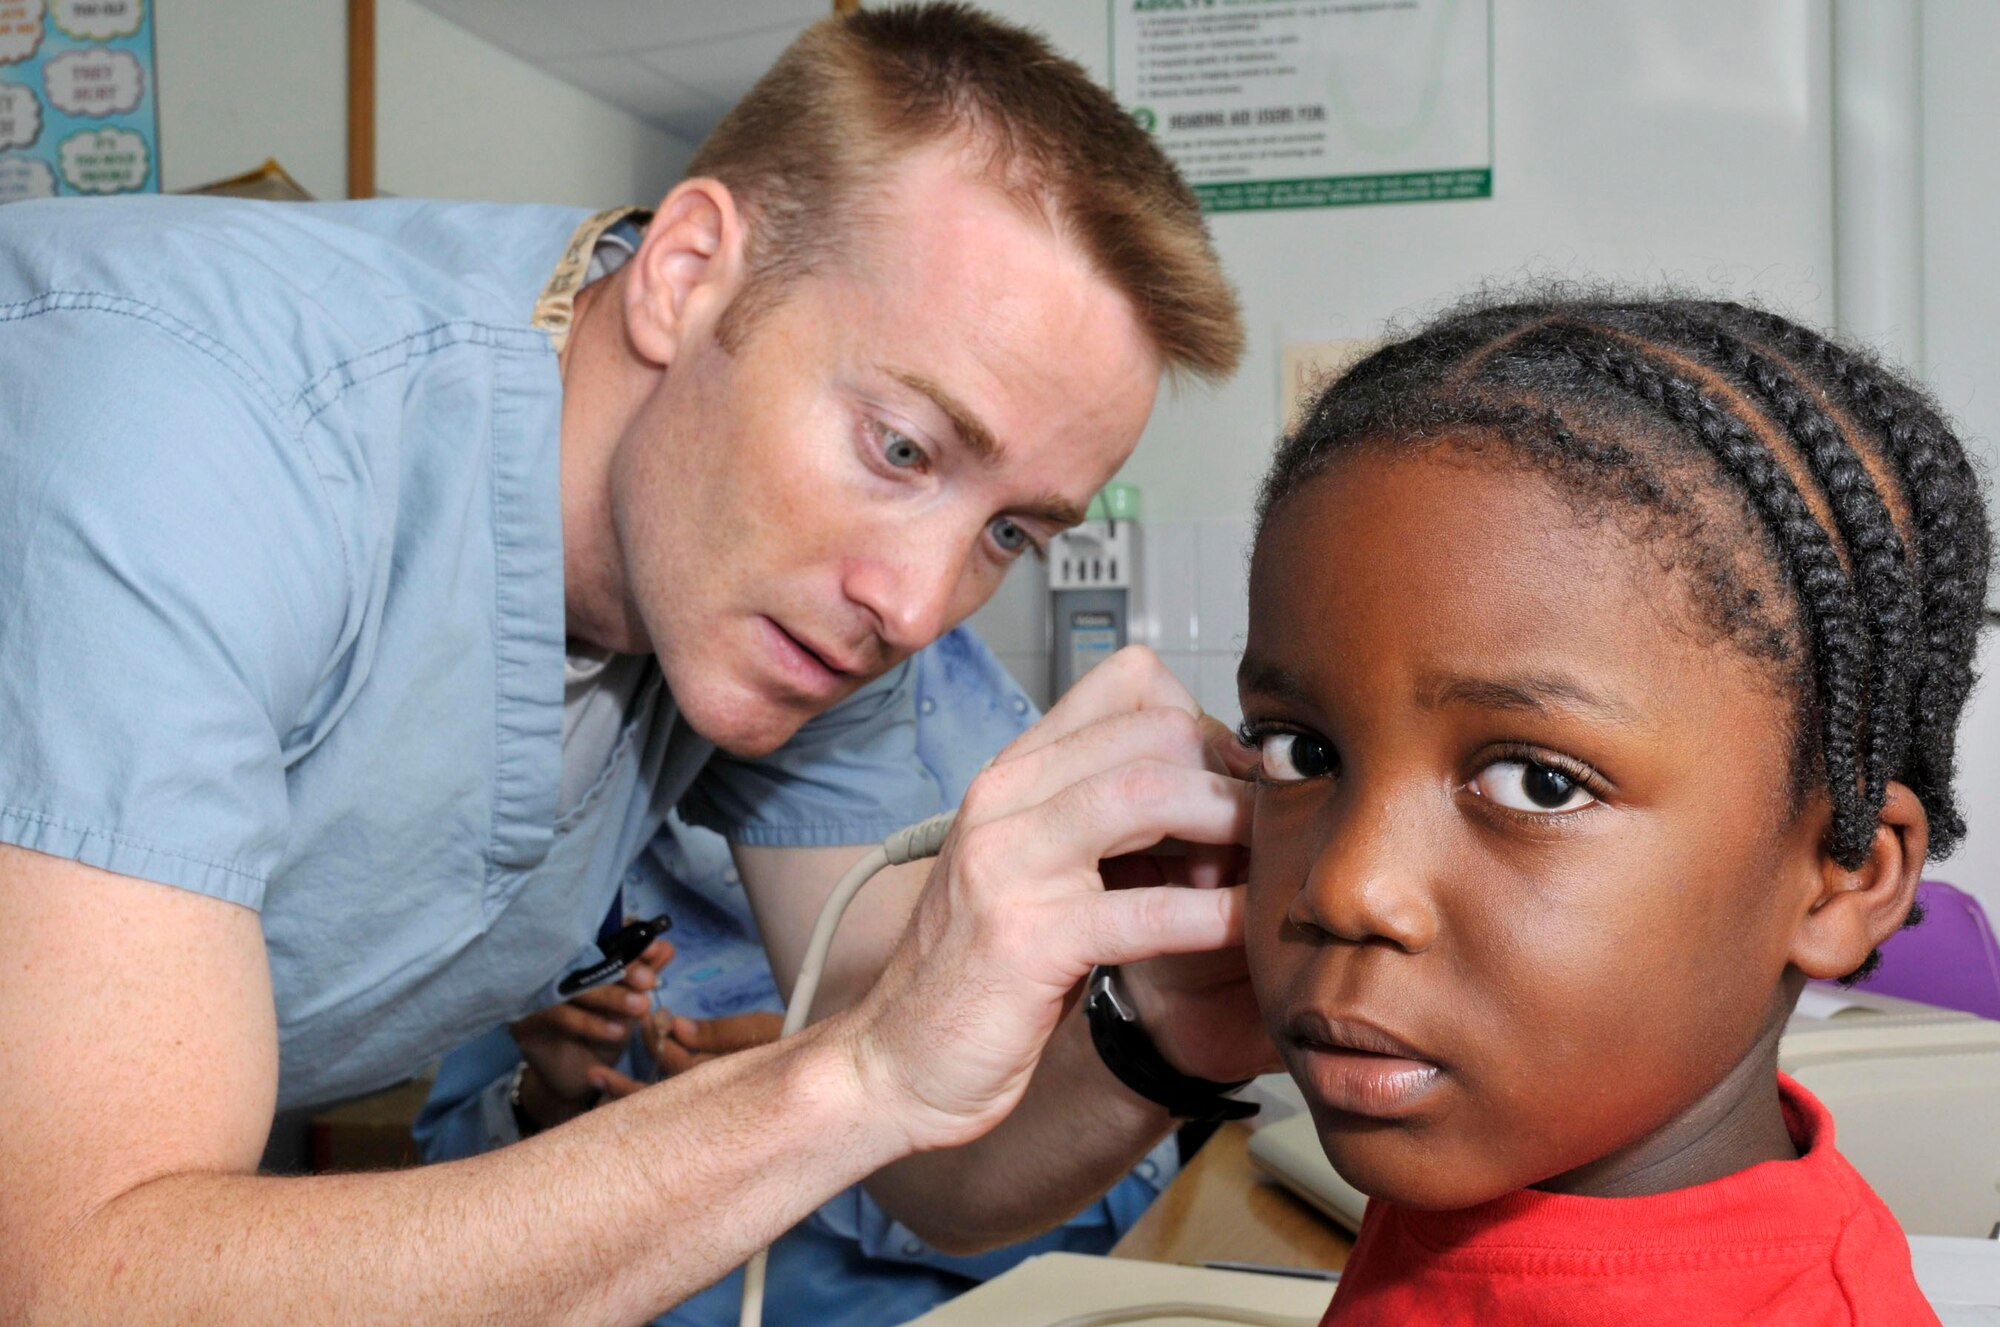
[1541, 693]
[1260, 677]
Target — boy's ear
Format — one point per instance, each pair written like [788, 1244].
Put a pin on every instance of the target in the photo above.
[688, 267]
[1857, 910]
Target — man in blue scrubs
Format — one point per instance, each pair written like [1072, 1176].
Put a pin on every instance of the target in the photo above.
[375, 581]
[849, 1264]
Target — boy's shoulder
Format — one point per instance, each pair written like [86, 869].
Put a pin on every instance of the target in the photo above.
[1801, 1243]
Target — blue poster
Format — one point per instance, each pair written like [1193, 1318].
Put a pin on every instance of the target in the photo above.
[76, 99]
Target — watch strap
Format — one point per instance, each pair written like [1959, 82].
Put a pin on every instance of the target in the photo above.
[1129, 1053]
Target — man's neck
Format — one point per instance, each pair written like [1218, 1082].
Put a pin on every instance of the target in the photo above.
[601, 386]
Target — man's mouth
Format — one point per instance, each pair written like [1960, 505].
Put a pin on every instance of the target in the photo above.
[815, 670]
[1357, 1067]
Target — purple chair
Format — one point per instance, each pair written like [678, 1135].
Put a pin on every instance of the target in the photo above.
[1949, 959]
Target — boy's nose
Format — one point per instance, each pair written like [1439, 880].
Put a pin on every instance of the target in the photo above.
[1366, 882]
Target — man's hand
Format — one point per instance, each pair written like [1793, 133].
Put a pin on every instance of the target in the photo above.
[1199, 1008]
[679, 1044]
[1018, 908]
[562, 1045]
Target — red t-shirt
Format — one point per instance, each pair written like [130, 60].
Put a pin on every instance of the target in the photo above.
[1802, 1243]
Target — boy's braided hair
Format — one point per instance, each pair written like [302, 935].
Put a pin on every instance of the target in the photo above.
[1820, 507]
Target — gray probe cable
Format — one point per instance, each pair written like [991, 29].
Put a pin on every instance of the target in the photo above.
[915, 843]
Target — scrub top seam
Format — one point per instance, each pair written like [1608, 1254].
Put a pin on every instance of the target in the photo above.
[97, 301]
[400, 352]
[29, 815]
[218, 352]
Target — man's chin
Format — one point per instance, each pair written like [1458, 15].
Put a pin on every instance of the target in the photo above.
[743, 725]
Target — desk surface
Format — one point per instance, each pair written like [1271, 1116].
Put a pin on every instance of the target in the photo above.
[1222, 1207]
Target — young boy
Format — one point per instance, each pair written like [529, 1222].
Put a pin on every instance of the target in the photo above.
[1604, 663]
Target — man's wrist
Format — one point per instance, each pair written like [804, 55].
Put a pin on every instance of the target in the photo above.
[1133, 1057]
[841, 1067]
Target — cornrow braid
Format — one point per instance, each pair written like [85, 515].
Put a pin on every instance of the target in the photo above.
[1826, 596]
[1882, 575]
[1860, 498]
[1954, 548]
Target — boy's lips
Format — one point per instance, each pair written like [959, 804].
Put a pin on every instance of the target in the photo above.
[1358, 1068]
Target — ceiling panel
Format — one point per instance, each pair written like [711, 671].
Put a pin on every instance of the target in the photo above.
[678, 64]
[646, 92]
[536, 30]
[723, 68]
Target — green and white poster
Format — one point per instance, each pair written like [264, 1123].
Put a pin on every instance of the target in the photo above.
[76, 99]
[1312, 103]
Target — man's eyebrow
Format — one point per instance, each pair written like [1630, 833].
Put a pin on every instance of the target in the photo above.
[978, 439]
[1541, 694]
[1054, 508]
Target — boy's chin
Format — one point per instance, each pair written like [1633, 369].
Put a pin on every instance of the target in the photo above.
[1414, 1168]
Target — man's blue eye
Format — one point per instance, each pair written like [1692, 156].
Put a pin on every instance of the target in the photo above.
[899, 451]
[1009, 536]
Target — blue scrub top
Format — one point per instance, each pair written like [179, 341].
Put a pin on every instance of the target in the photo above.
[282, 619]
[849, 1264]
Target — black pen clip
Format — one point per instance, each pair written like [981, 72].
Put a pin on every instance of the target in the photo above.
[620, 949]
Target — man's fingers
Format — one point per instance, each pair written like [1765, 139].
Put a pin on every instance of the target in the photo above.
[1131, 925]
[1231, 756]
[1215, 865]
[1132, 679]
[1167, 735]
[1111, 813]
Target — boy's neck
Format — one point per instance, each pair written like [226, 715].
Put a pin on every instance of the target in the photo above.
[1736, 1124]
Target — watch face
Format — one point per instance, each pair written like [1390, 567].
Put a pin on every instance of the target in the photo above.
[1104, 995]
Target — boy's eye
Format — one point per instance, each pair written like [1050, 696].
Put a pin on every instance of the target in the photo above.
[1009, 536]
[1529, 785]
[898, 450]
[1290, 757]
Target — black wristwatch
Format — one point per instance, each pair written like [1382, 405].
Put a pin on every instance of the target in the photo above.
[1133, 1059]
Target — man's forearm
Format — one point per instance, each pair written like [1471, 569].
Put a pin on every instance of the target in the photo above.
[1076, 1133]
[608, 1219]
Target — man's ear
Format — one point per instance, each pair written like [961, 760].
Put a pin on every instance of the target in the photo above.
[1857, 910]
[688, 267]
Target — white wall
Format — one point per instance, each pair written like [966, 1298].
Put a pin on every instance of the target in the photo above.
[242, 80]
[459, 118]
[1633, 141]
[1961, 297]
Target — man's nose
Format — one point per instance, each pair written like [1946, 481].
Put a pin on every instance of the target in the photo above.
[909, 587]
[1368, 880]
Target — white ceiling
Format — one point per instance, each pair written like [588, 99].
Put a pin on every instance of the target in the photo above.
[678, 64]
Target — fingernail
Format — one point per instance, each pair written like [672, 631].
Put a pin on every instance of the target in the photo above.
[636, 1003]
